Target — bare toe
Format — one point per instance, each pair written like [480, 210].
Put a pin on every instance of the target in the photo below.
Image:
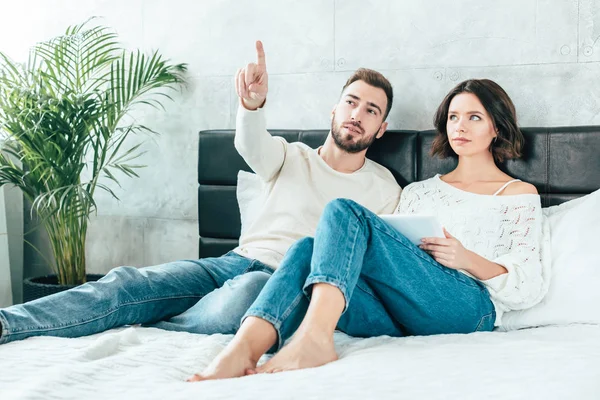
[194, 378]
[230, 363]
[304, 351]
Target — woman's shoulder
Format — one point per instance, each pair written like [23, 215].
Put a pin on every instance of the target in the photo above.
[519, 187]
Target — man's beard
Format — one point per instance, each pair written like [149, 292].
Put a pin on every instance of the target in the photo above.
[347, 144]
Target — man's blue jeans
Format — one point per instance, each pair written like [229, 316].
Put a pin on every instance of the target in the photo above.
[391, 287]
[204, 296]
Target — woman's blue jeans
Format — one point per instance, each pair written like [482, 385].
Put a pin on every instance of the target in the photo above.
[207, 296]
[391, 287]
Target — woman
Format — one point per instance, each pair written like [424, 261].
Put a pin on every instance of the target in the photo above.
[360, 275]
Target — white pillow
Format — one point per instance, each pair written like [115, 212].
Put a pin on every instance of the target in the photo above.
[250, 194]
[574, 292]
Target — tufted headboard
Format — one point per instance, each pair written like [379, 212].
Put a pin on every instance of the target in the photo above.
[563, 163]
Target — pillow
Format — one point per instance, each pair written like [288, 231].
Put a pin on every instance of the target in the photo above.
[250, 193]
[574, 292]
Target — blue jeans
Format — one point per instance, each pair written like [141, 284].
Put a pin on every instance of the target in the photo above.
[204, 296]
[391, 287]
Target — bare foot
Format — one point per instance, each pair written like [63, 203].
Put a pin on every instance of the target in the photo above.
[304, 351]
[232, 362]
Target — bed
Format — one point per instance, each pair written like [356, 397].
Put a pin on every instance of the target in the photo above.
[146, 363]
[552, 361]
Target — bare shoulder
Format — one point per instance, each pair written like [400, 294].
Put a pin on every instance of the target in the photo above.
[520, 188]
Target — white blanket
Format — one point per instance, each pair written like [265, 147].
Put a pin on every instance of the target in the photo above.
[146, 363]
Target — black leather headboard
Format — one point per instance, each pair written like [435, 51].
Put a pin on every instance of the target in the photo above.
[563, 163]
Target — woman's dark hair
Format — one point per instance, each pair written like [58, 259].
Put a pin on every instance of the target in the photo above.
[510, 140]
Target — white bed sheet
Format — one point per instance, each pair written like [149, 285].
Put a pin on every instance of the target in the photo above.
[135, 363]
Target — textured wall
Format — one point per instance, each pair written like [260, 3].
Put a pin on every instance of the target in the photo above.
[6, 296]
[11, 245]
[545, 53]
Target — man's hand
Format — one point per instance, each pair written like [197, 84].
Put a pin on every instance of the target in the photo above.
[251, 83]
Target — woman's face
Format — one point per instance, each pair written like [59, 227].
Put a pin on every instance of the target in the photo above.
[470, 128]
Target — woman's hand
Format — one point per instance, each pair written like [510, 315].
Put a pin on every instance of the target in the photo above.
[448, 251]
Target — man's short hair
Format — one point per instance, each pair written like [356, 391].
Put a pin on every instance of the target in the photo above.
[374, 79]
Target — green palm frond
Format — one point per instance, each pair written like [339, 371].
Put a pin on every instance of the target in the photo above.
[63, 112]
[77, 61]
[133, 75]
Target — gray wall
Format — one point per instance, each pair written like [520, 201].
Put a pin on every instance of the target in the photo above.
[545, 53]
[11, 245]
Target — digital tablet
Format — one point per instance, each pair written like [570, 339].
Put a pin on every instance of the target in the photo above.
[415, 227]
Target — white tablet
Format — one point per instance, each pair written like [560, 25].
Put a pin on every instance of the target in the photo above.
[415, 227]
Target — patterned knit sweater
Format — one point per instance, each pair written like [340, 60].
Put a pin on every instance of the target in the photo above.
[506, 230]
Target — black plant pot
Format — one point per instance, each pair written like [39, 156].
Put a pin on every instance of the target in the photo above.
[34, 288]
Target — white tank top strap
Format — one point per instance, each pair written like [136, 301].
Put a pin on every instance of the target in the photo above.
[504, 186]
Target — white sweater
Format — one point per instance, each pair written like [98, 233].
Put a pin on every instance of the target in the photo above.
[506, 230]
[299, 184]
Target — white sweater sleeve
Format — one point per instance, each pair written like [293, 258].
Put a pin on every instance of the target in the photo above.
[392, 202]
[261, 151]
[522, 287]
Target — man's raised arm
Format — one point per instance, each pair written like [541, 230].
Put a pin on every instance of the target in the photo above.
[262, 152]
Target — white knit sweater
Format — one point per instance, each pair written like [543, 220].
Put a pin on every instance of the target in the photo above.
[506, 230]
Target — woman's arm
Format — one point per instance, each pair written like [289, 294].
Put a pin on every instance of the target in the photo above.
[514, 278]
[481, 268]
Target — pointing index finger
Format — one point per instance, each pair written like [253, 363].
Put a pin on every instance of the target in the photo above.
[260, 54]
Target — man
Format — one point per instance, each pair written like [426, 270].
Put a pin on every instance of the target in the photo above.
[211, 295]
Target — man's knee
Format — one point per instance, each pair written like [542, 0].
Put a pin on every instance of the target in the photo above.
[120, 274]
[222, 310]
[305, 244]
[241, 291]
[337, 206]
[299, 256]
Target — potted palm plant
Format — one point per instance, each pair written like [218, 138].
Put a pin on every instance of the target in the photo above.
[66, 115]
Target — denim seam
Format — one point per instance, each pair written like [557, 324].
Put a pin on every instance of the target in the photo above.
[482, 320]
[29, 329]
[367, 292]
[293, 305]
[262, 267]
[342, 278]
[429, 260]
[4, 333]
[343, 275]
[357, 228]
